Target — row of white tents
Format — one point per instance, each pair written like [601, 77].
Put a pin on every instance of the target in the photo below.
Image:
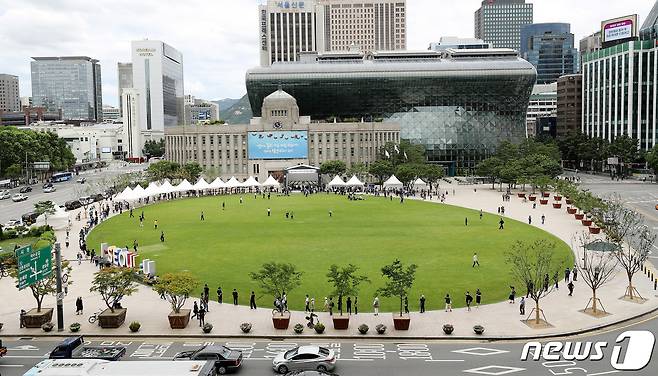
[155, 189]
[392, 183]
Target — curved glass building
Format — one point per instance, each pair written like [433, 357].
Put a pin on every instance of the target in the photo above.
[460, 105]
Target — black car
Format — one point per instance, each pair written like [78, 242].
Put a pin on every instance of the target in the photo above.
[29, 218]
[25, 189]
[225, 358]
[72, 205]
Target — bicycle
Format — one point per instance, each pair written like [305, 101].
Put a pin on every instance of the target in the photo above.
[93, 318]
[4, 271]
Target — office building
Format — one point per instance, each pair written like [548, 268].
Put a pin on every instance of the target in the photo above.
[619, 90]
[550, 48]
[200, 111]
[277, 140]
[368, 25]
[286, 29]
[10, 100]
[499, 22]
[111, 113]
[28, 115]
[649, 28]
[543, 103]
[69, 83]
[125, 80]
[158, 77]
[26, 102]
[458, 104]
[456, 43]
[134, 136]
[569, 104]
[591, 43]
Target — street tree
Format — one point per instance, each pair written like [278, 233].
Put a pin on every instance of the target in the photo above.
[490, 168]
[154, 149]
[359, 170]
[191, 171]
[332, 168]
[400, 279]
[596, 267]
[431, 173]
[407, 172]
[652, 160]
[45, 208]
[275, 279]
[176, 288]
[113, 284]
[345, 281]
[530, 265]
[381, 169]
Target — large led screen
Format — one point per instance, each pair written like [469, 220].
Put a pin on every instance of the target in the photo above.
[278, 145]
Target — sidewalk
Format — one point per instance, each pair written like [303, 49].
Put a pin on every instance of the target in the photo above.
[500, 319]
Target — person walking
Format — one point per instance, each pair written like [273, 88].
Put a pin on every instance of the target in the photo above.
[312, 305]
[252, 300]
[481, 214]
[375, 305]
[206, 291]
[556, 278]
[475, 260]
[422, 304]
[349, 305]
[220, 295]
[331, 306]
[356, 307]
[162, 238]
[570, 287]
[155, 224]
[575, 273]
[135, 245]
[512, 294]
[78, 306]
[141, 222]
[543, 219]
[478, 298]
[466, 221]
[567, 273]
[406, 305]
[202, 317]
[235, 297]
[469, 300]
[269, 212]
[203, 217]
[195, 310]
[448, 301]
[529, 219]
[307, 304]
[502, 224]
[522, 306]
[325, 308]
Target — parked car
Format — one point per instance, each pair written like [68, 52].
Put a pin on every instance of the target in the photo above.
[12, 224]
[25, 189]
[49, 189]
[5, 195]
[74, 348]
[310, 373]
[46, 185]
[72, 205]
[18, 197]
[29, 218]
[305, 358]
[86, 200]
[82, 180]
[225, 359]
[3, 350]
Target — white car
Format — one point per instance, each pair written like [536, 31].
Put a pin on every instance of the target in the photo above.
[18, 197]
[12, 224]
[49, 189]
[5, 195]
[82, 180]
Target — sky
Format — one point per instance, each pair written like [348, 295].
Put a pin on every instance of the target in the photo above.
[219, 38]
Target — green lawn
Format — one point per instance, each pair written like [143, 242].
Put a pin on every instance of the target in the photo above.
[8, 245]
[230, 243]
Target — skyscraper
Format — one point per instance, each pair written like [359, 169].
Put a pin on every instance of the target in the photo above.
[549, 47]
[500, 21]
[125, 75]
[10, 100]
[69, 83]
[158, 78]
[286, 28]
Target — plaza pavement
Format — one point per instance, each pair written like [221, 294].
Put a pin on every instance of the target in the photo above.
[499, 319]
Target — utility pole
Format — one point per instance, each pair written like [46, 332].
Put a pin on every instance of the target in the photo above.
[60, 294]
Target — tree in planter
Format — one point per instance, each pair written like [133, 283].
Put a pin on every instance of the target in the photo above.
[400, 280]
[114, 284]
[276, 278]
[633, 240]
[48, 285]
[596, 268]
[45, 208]
[530, 264]
[345, 281]
[176, 288]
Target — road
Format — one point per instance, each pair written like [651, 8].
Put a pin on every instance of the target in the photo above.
[366, 358]
[66, 191]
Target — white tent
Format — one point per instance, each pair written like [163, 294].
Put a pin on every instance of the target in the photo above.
[393, 182]
[420, 184]
[217, 184]
[123, 196]
[138, 192]
[233, 183]
[152, 189]
[166, 187]
[336, 182]
[251, 182]
[202, 185]
[184, 186]
[354, 182]
[271, 182]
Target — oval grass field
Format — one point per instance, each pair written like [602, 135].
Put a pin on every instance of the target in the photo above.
[230, 243]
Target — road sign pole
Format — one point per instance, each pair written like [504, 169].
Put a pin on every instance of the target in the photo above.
[60, 303]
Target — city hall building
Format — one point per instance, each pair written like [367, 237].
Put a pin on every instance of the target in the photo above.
[277, 140]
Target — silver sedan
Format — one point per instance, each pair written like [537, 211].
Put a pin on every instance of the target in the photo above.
[305, 357]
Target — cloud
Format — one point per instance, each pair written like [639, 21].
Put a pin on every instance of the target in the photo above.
[219, 38]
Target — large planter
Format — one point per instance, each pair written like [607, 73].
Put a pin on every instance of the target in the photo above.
[579, 216]
[341, 322]
[179, 320]
[112, 320]
[557, 198]
[595, 230]
[543, 202]
[401, 322]
[557, 205]
[281, 321]
[546, 194]
[532, 198]
[521, 195]
[572, 210]
[448, 329]
[34, 319]
[586, 222]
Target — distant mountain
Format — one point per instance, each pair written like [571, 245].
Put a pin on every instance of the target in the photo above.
[226, 103]
[239, 112]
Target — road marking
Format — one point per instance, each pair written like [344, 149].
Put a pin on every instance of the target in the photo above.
[25, 357]
[604, 373]
[502, 370]
[481, 351]
[24, 348]
[444, 360]
[12, 365]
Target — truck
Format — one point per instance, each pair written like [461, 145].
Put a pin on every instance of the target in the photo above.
[99, 367]
[74, 348]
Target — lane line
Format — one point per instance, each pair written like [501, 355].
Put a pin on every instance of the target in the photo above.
[604, 373]
[12, 365]
[444, 360]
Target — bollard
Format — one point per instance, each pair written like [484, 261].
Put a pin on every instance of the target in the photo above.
[655, 284]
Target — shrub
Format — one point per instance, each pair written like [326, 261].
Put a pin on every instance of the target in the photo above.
[478, 329]
[245, 327]
[47, 326]
[448, 328]
[381, 328]
[207, 327]
[319, 328]
[298, 328]
[363, 328]
[75, 327]
[134, 326]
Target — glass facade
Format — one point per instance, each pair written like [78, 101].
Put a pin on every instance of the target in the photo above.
[500, 22]
[72, 84]
[460, 110]
[550, 48]
[173, 97]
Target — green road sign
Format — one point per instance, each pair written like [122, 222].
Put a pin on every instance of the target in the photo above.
[33, 266]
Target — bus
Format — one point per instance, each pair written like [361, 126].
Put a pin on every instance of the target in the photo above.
[61, 176]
